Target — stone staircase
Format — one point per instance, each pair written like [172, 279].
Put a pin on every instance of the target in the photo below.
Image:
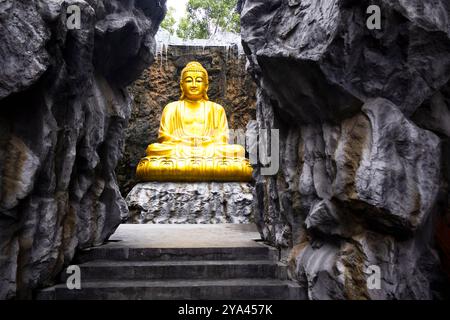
[215, 273]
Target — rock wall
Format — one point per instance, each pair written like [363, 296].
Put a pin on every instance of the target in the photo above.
[230, 86]
[364, 127]
[191, 203]
[63, 110]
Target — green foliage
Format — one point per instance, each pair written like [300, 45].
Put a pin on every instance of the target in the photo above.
[169, 21]
[206, 17]
[189, 30]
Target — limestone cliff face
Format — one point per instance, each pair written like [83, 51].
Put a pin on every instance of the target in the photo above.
[63, 110]
[364, 127]
[230, 86]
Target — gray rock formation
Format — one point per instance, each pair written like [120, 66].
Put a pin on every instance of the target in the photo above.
[201, 202]
[63, 110]
[363, 120]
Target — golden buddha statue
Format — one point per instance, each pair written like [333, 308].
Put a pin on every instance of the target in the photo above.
[193, 138]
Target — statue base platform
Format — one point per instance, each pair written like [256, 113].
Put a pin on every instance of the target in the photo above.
[194, 169]
[191, 203]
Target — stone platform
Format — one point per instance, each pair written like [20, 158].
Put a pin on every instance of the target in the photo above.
[184, 236]
[191, 203]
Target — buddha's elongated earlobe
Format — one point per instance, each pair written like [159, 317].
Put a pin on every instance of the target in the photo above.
[182, 90]
[205, 95]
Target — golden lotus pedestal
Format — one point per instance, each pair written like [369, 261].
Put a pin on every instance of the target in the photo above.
[194, 169]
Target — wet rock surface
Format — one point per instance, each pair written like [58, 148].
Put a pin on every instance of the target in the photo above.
[63, 111]
[363, 127]
[191, 203]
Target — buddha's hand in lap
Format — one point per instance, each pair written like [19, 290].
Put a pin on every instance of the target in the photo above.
[200, 141]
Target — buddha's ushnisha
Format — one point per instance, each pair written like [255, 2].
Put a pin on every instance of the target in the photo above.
[193, 138]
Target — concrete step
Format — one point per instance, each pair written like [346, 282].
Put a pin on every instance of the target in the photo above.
[229, 289]
[178, 263]
[152, 270]
[165, 254]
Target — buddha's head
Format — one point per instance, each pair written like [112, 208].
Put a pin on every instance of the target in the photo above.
[194, 82]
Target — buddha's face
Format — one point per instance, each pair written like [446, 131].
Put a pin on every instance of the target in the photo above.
[194, 85]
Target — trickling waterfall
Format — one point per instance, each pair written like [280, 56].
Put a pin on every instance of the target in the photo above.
[224, 39]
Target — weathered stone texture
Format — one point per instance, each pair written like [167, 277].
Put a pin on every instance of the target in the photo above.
[63, 111]
[363, 120]
[191, 203]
